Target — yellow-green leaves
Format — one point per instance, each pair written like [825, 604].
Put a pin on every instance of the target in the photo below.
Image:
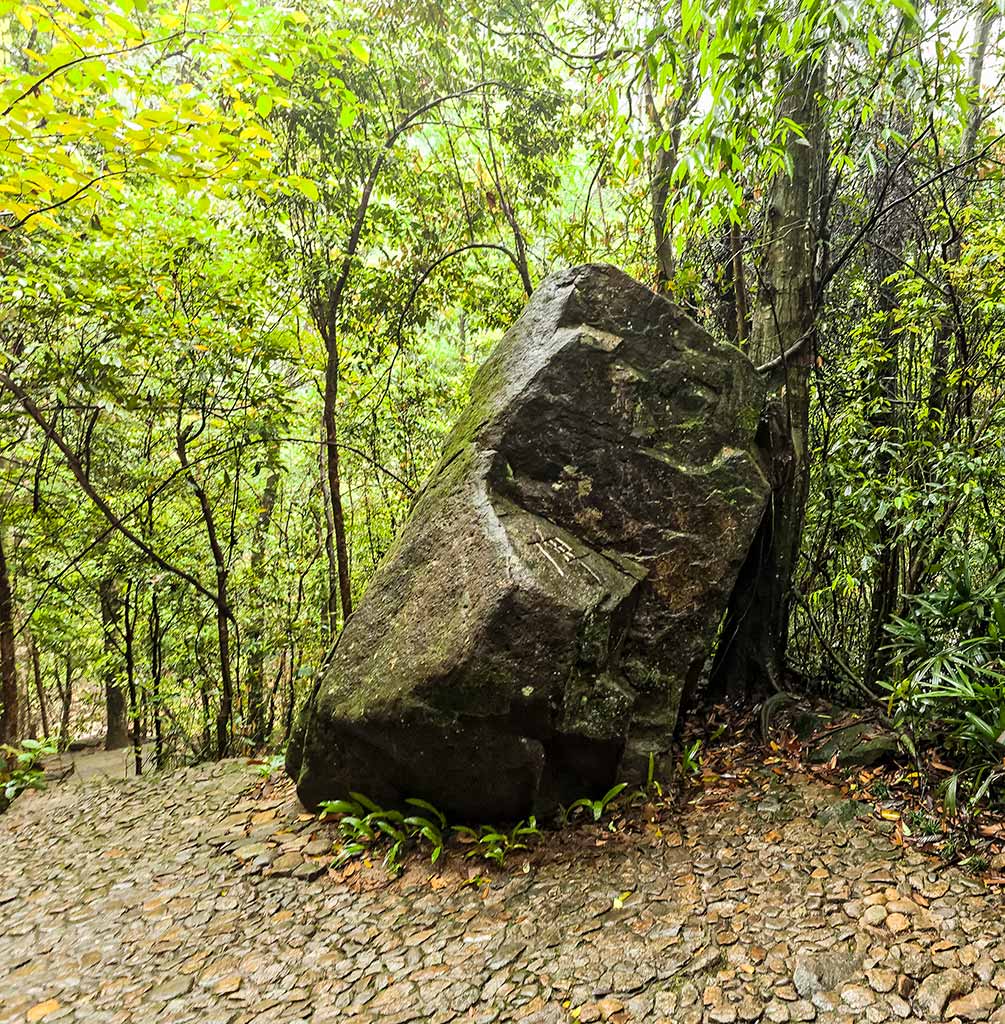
[304, 186]
[105, 90]
[357, 47]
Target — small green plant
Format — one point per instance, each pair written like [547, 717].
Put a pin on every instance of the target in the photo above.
[493, 844]
[922, 824]
[690, 762]
[365, 827]
[653, 788]
[975, 864]
[429, 827]
[23, 771]
[596, 807]
[269, 766]
[363, 824]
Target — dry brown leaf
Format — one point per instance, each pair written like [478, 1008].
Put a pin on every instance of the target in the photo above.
[41, 1010]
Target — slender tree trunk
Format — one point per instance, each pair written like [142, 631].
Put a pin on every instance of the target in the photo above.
[9, 732]
[36, 668]
[292, 699]
[886, 584]
[944, 335]
[659, 191]
[334, 488]
[331, 602]
[116, 728]
[274, 692]
[225, 712]
[739, 287]
[155, 677]
[664, 124]
[255, 632]
[66, 701]
[728, 284]
[751, 652]
[207, 719]
[129, 610]
[883, 263]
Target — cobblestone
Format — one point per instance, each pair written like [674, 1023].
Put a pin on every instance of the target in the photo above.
[192, 896]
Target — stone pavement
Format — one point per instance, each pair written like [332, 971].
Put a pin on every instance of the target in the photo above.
[82, 765]
[191, 896]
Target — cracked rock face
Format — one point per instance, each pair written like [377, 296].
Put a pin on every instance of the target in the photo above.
[558, 584]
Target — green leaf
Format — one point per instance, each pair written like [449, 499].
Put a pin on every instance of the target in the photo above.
[907, 9]
[340, 807]
[366, 802]
[305, 187]
[358, 49]
[425, 805]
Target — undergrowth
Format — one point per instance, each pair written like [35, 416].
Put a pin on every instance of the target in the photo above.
[947, 686]
[368, 830]
[20, 768]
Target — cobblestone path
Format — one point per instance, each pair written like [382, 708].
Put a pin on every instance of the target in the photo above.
[190, 896]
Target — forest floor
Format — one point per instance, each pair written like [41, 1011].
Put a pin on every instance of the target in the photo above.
[204, 895]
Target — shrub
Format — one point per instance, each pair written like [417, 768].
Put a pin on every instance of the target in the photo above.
[948, 657]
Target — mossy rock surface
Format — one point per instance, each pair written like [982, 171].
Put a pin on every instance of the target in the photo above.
[558, 583]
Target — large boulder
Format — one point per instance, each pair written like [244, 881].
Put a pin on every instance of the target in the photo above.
[560, 580]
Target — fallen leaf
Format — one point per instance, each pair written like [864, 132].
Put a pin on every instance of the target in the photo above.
[41, 1010]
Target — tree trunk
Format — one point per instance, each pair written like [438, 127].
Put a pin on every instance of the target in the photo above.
[225, 712]
[36, 668]
[659, 191]
[155, 677]
[883, 263]
[116, 728]
[331, 601]
[207, 719]
[938, 395]
[129, 611]
[334, 494]
[664, 160]
[292, 698]
[886, 584]
[739, 287]
[256, 628]
[274, 692]
[66, 699]
[751, 651]
[8, 666]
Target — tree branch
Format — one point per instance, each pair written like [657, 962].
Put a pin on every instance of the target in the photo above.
[81, 60]
[85, 485]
